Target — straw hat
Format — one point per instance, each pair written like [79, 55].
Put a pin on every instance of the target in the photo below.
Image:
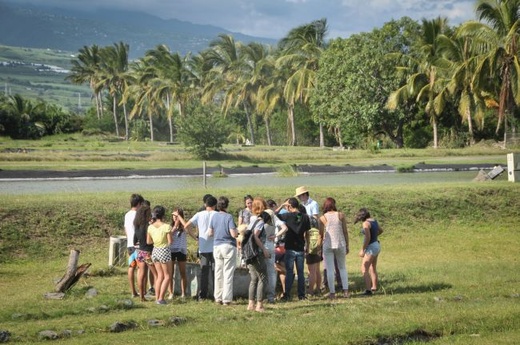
[301, 190]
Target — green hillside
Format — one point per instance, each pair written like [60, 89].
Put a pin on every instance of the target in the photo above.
[40, 74]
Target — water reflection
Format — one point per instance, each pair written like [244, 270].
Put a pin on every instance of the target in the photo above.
[179, 183]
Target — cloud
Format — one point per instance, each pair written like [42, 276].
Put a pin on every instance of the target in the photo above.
[274, 18]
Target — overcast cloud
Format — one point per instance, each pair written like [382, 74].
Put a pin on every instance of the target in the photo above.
[274, 18]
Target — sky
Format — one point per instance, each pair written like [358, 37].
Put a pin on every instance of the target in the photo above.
[275, 18]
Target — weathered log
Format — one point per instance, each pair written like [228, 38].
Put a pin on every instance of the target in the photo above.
[73, 272]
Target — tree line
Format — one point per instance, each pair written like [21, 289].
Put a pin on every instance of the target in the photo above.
[406, 84]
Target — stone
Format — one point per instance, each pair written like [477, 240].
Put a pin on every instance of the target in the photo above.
[92, 292]
[48, 335]
[118, 327]
[177, 320]
[4, 336]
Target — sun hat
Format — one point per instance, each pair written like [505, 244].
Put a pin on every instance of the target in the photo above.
[301, 190]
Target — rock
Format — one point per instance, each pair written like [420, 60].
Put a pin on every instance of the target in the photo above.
[17, 316]
[437, 299]
[155, 323]
[66, 333]
[103, 308]
[125, 303]
[177, 320]
[118, 327]
[92, 292]
[48, 335]
[54, 295]
[4, 336]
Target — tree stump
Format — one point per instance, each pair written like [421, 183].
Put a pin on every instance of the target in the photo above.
[73, 272]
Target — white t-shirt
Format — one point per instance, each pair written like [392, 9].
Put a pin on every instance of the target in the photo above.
[129, 227]
[201, 221]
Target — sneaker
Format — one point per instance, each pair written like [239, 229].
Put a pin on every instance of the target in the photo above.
[367, 293]
[161, 302]
[151, 291]
[170, 297]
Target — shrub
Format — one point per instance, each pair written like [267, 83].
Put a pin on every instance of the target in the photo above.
[203, 131]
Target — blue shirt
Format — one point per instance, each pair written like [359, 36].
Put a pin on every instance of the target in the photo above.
[222, 223]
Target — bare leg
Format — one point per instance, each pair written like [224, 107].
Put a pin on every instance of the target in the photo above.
[131, 280]
[373, 274]
[365, 267]
[184, 280]
[141, 279]
[312, 278]
[158, 281]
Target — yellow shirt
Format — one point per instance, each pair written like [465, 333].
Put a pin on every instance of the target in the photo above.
[159, 235]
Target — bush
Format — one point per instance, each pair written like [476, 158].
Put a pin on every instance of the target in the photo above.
[203, 131]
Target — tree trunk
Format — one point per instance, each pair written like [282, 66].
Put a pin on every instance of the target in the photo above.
[290, 118]
[250, 124]
[322, 135]
[73, 272]
[268, 132]
[151, 125]
[435, 136]
[114, 110]
[127, 127]
[470, 126]
[100, 104]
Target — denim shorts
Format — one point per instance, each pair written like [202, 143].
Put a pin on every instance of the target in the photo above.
[373, 249]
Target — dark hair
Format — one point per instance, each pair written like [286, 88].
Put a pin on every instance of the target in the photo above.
[293, 202]
[158, 213]
[247, 196]
[180, 211]
[329, 205]
[362, 215]
[205, 198]
[302, 209]
[266, 217]
[211, 201]
[146, 203]
[142, 217]
[271, 203]
[222, 203]
[136, 200]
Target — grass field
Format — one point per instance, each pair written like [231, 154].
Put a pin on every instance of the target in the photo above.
[449, 273]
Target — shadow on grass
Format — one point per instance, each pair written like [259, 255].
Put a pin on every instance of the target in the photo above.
[397, 285]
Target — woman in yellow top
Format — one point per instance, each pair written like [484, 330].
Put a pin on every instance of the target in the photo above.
[160, 236]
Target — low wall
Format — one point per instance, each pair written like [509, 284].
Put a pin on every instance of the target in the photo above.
[240, 281]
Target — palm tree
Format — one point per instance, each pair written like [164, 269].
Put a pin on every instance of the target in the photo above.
[231, 70]
[113, 74]
[301, 50]
[459, 53]
[169, 78]
[499, 39]
[85, 69]
[425, 83]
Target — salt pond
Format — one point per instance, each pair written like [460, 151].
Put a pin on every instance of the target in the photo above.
[180, 183]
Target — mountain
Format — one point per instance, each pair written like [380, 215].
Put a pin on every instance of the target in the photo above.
[26, 25]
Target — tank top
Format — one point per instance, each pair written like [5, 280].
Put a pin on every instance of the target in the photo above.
[334, 236]
[374, 230]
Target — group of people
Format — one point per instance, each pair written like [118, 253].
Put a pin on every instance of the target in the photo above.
[287, 236]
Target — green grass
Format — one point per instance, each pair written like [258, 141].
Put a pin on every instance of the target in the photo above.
[77, 152]
[449, 268]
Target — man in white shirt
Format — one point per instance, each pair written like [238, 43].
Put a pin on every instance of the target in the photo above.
[201, 220]
[135, 201]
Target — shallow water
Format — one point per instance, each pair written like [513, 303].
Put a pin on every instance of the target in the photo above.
[179, 183]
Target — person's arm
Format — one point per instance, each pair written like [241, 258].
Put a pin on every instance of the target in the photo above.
[169, 237]
[345, 229]
[148, 238]
[366, 241]
[307, 242]
[256, 234]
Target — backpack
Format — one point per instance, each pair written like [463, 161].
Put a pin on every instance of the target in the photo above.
[314, 241]
[250, 249]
